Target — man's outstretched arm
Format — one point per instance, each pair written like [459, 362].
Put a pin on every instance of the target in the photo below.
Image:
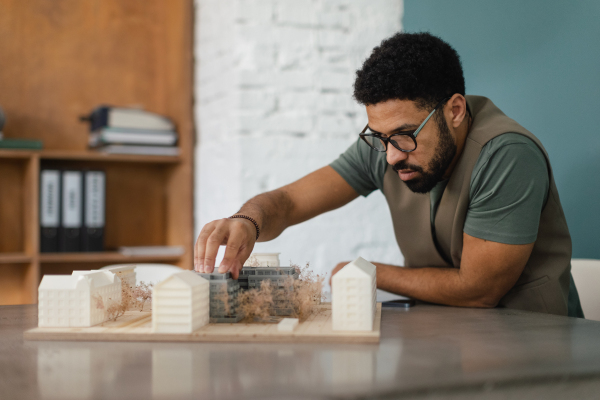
[488, 271]
[321, 191]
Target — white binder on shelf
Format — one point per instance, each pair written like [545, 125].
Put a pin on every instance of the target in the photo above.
[72, 212]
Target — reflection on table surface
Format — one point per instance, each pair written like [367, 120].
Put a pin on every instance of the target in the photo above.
[83, 370]
[421, 348]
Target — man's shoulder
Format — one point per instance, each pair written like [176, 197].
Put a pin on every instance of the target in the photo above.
[509, 158]
[511, 146]
[509, 139]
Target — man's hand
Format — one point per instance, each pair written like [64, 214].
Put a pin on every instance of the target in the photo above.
[239, 235]
[337, 269]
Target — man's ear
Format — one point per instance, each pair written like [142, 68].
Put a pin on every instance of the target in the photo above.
[458, 106]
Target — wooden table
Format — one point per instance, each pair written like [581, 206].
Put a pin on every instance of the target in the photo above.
[428, 352]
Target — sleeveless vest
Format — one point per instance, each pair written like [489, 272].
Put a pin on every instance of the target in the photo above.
[544, 284]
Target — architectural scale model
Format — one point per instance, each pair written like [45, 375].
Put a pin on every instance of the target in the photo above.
[126, 272]
[72, 300]
[185, 303]
[180, 303]
[354, 296]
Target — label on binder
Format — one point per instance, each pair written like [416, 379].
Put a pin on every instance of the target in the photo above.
[94, 199]
[71, 199]
[49, 213]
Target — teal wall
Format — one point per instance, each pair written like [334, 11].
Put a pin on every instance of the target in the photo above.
[539, 61]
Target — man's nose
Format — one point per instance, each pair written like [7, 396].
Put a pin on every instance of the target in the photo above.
[394, 156]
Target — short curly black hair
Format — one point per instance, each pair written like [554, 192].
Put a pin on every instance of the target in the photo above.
[410, 66]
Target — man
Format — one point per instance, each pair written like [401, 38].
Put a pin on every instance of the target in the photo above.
[472, 197]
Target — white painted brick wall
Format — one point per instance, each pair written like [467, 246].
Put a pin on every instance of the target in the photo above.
[274, 102]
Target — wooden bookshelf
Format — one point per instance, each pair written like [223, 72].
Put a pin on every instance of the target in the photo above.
[98, 156]
[112, 257]
[61, 59]
[15, 258]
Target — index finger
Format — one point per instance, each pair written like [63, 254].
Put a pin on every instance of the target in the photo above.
[200, 247]
[239, 247]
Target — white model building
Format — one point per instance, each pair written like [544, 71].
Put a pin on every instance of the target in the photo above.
[263, 260]
[180, 303]
[72, 300]
[126, 272]
[354, 296]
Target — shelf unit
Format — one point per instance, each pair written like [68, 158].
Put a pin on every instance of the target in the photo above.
[63, 63]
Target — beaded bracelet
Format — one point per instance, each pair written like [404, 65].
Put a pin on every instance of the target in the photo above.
[249, 219]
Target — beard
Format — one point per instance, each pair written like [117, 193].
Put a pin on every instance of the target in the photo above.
[444, 154]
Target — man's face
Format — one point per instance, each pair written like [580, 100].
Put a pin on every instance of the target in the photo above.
[423, 168]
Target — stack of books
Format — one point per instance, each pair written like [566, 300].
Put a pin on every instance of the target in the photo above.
[116, 130]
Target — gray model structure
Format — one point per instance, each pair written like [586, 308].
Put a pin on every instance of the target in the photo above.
[224, 292]
[249, 278]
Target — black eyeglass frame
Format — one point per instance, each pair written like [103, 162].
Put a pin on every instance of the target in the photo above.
[412, 135]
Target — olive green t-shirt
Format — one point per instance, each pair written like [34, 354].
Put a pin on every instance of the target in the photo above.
[509, 187]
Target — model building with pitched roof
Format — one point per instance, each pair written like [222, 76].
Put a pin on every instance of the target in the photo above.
[354, 296]
[180, 303]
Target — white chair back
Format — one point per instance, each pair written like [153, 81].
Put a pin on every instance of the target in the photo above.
[151, 273]
[586, 274]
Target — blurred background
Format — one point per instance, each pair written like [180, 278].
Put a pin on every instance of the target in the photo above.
[260, 93]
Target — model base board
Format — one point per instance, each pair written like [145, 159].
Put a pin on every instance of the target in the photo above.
[136, 326]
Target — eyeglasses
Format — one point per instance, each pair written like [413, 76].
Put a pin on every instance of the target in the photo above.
[403, 141]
